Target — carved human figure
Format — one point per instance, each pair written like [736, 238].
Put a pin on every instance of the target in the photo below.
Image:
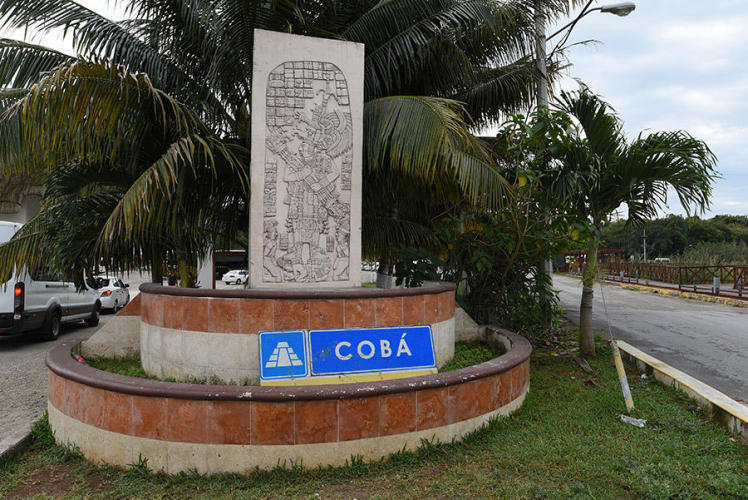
[311, 188]
[271, 271]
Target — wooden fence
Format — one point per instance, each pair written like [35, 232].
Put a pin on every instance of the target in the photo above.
[679, 275]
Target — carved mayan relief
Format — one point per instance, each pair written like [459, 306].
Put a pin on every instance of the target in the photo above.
[308, 168]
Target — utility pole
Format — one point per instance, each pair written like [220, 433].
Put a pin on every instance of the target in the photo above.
[540, 52]
[645, 244]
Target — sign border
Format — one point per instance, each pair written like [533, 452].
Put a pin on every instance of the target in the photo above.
[384, 370]
[307, 350]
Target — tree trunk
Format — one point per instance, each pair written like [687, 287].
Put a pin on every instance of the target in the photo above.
[586, 335]
[157, 270]
[185, 280]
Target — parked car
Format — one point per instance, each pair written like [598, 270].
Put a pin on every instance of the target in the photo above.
[237, 276]
[220, 271]
[40, 301]
[113, 294]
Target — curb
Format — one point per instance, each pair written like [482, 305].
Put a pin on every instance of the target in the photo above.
[15, 443]
[720, 408]
[679, 293]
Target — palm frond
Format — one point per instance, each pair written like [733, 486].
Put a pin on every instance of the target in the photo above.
[21, 63]
[86, 110]
[425, 136]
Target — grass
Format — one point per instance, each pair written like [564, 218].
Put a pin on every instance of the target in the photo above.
[566, 441]
[471, 353]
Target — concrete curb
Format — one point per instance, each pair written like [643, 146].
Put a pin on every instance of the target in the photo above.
[683, 294]
[15, 443]
[719, 407]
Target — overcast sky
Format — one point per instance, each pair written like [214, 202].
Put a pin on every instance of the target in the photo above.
[671, 64]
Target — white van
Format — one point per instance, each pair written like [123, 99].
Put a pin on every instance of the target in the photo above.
[41, 301]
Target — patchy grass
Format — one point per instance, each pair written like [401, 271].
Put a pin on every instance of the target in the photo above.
[471, 353]
[121, 366]
[566, 441]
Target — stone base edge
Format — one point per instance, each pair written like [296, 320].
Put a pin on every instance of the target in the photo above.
[15, 443]
[719, 407]
[105, 447]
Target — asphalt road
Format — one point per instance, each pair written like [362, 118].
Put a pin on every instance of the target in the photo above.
[23, 374]
[705, 340]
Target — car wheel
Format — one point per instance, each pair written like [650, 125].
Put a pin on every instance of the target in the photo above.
[51, 329]
[94, 319]
[239, 281]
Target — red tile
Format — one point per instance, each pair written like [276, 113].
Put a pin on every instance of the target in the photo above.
[93, 403]
[516, 381]
[414, 309]
[55, 390]
[397, 414]
[432, 309]
[432, 408]
[145, 307]
[326, 314]
[359, 418]
[149, 417]
[173, 312]
[486, 394]
[229, 422]
[255, 315]
[224, 314]
[316, 422]
[188, 420]
[359, 313]
[463, 403]
[156, 310]
[196, 314]
[74, 394]
[388, 311]
[505, 388]
[446, 306]
[291, 315]
[272, 423]
[118, 416]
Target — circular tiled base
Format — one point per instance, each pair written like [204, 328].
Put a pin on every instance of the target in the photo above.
[178, 427]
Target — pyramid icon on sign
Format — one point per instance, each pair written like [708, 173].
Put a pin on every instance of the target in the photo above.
[283, 355]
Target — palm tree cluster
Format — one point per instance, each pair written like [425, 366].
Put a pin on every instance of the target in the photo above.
[142, 139]
[600, 170]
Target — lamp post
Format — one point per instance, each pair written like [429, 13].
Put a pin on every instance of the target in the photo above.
[619, 9]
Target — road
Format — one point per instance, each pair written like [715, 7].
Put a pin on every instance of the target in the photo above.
[705, 340]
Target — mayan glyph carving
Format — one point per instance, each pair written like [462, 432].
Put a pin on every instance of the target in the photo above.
[307, 177]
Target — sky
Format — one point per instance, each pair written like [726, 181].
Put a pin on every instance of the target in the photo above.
[669, 65]
[676, 65]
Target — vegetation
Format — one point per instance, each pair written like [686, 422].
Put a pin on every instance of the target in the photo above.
[602, 170]
[149, 125]
[723, 239]
[566, 441]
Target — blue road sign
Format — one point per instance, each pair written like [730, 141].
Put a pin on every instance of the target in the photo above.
[283, 355]
[371, 350]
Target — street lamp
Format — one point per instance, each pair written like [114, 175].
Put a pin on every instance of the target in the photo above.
[620, 9]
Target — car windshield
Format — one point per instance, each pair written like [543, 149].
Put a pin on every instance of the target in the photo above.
[102, 282]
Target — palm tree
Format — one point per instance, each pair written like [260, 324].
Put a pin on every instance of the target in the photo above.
[609, 171]
[163, 100]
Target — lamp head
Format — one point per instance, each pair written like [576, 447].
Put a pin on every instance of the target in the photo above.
[619, 9]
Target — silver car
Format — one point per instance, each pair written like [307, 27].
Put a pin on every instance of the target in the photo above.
[113, 294]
